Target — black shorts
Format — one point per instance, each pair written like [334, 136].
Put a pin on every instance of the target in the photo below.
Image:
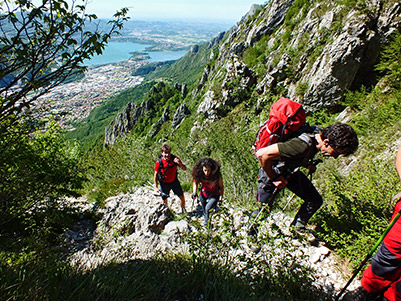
[175, 186]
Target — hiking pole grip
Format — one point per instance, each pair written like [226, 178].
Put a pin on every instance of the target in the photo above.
[396, 217]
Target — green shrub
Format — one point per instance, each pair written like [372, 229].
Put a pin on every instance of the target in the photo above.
[357, 207]
[390, 62]
[379, 112]
[118, 168]
[43, 165]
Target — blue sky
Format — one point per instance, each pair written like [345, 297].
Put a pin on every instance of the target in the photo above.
[223, 10]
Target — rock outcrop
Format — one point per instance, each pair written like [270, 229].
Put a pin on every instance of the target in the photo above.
[139, 226]
[126, 120]
[123, 123]
[239, 79]
[136, 225]
[179, 115]
[350, 58]
[319, 60]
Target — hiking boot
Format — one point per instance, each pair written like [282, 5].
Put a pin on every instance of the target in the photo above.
[253, 231]
[299, 230]
[360, 294]
[298, 226]
[298, 223]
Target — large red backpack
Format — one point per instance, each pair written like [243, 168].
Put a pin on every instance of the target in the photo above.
[285, 117]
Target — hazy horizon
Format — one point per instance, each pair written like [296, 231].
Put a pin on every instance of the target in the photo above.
[227, 11]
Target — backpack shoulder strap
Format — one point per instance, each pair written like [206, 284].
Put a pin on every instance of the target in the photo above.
[307, 138]
[306, 133]
[160, 163]
[161, 166]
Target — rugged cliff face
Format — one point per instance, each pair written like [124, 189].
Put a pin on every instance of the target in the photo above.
[132, 114]
[313, 54]
[310, 52]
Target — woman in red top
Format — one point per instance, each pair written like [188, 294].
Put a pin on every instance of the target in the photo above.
[206, 172]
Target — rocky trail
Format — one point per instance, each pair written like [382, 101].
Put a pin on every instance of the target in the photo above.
[139, 226]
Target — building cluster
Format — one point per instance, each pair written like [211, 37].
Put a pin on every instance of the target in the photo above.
[74, 101]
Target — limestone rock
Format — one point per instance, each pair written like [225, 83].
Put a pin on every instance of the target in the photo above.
[238, 80]
[179, 115]
[133, 226]
[138, 226]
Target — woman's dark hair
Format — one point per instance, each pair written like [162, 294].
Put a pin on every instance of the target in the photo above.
[342, 137]
[197, 171]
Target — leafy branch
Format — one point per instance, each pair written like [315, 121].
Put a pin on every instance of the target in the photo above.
[40, 47]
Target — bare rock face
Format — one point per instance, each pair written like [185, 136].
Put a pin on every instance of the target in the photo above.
[277, 12]
[209, 106]
[123, 123]
[338, 65]
[156, 126]
[350, 58]
[133, 226]
[179, 115]
[239, 79]
[346, 55]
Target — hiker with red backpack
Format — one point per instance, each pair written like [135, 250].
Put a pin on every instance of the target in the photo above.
[383, 276]
[206, 173]
[166, 175]
[282, 147]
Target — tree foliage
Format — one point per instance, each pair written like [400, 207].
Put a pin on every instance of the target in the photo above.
[40, 47]
[41, 166]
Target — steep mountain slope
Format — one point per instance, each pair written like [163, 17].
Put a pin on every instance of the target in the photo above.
[310, 52]
[189, 68]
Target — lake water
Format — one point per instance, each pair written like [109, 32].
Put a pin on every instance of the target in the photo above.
[120, 51]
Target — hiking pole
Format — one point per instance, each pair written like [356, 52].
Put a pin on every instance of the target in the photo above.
[192, 207]
[289, 200]
[150, 186]
[276, 190]
[370, 253]
[193, 201]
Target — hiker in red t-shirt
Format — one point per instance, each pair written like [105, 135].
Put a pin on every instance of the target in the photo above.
[206, 172]
[383, 276]
[166, 175]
